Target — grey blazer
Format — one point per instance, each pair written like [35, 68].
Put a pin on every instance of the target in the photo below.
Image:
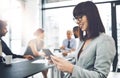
[96, 59]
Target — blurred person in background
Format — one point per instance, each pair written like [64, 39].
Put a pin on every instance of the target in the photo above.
[69, 44]
[36, 45]
[5, 49]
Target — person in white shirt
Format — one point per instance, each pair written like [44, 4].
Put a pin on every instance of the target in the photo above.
[69, 44]
[76, 34]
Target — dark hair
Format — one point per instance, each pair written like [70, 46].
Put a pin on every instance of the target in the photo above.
[38, 31]
[2, 23]
[76, 28]
[89, 9]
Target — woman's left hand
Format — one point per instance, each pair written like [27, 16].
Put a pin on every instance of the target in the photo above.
[62, 64]
[29, 57]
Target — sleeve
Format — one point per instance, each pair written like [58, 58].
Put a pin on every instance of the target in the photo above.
[7, 51]
[105, 52]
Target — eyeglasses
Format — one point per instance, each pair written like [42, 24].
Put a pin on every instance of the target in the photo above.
[78, 18]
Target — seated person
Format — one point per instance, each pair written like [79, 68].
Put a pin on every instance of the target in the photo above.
[5, 48]
[76, 33]
[69, 44]
[35, 45]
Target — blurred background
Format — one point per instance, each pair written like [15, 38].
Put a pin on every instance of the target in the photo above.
[55, 17]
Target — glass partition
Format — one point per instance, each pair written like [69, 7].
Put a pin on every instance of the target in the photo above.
[118, 32]
[56, 22]
[106, 16]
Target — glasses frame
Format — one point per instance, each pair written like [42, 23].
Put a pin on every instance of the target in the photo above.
[78, 18]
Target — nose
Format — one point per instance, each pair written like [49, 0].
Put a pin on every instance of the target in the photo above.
[78, 21]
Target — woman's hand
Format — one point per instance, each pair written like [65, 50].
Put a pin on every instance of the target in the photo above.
[62, 64]
[29, 57]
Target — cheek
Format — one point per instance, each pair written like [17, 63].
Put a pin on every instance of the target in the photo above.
[86, 25]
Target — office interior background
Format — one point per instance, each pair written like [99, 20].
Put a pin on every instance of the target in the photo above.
[55, 17]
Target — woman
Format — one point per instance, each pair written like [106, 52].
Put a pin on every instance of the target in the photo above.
[96, 51]
[4, 47]
[35, 45]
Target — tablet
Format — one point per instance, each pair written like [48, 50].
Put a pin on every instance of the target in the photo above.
[47, 53]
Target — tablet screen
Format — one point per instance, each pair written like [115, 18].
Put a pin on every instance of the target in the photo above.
[47, 52]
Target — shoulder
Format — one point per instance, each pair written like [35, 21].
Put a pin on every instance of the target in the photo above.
[65, 40]
[73, 39]
[3, 42]
[105, 42]
[32, 41]
[104, 37]
[41, 41]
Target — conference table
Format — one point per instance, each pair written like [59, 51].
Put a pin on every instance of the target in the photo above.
[22, 69]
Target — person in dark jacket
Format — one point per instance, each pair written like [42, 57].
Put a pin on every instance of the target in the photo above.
[5, 48]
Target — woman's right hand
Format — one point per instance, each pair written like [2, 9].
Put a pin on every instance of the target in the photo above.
[62, 64]
[49, 60]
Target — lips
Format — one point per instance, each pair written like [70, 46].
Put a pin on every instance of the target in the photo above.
[80, 25]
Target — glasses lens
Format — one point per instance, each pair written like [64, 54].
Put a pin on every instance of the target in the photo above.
[75, 19]
[78, 18]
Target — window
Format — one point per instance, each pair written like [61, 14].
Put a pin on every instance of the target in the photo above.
[56, 21]
[51, 1]
[106, 16]
[118, 26]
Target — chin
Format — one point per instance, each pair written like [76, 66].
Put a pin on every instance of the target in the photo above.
[82, 29]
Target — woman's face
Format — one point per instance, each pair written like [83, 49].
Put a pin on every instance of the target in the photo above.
[41, 35]
[82, 22]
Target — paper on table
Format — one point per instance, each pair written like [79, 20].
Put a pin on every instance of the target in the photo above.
[16, 60]
[40, 61]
